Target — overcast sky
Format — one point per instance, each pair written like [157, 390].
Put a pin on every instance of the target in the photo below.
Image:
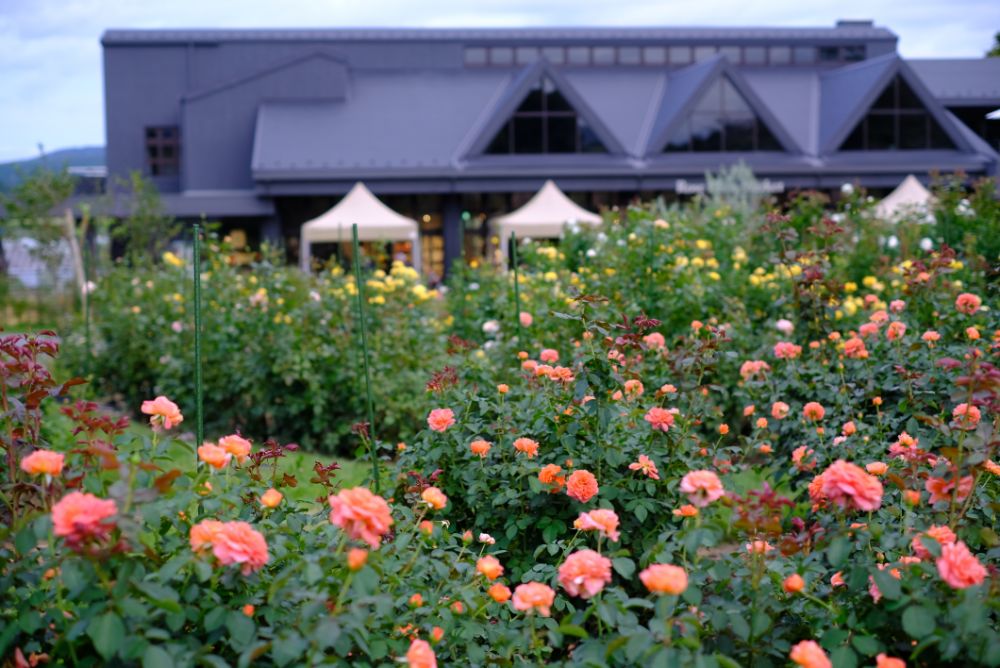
[50, 56]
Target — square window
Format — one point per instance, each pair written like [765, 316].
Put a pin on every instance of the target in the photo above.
[703, 53]
[882, 132]
[525, 55]
[853, 53]
[732, 53]
[780, 55]
[804, 55]
[604, 55]
[528, 134]
[501, 55]
[680, 55]
[913, 131]
[562, 134]
[754, 55]
[475, 56]
[654, 55]
[629, 55]
[829, 54]
[554, 54]
[578, 55]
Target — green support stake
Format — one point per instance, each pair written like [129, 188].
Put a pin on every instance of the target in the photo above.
[517, 288]
[86, 306]
[364, 350]
[198, 390]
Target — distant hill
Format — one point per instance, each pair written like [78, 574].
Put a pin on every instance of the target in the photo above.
[11, 172]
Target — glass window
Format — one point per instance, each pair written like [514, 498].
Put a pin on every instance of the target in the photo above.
[853, 53]
[780, 55]
[163, 150]
[897, 120]
[654, 55]
[680, 55]
[545, 123]
[722, 120]
[754, 55]
[629, 55]
[703, 53]
[554, 54]
[475, 56]
[501, 55]
[603, 55]
[732, 53]
[578, 55]
[829, 54]
[525, 55]
[804, 55]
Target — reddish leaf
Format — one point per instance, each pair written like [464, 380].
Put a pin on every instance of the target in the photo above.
[163, 482]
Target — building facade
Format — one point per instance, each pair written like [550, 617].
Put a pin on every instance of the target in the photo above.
[265, 129]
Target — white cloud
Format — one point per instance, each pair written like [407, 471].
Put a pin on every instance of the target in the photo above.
[51, 62]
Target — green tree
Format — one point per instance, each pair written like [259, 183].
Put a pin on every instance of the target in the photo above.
[147, 230]
[31, 211]
[994, 51]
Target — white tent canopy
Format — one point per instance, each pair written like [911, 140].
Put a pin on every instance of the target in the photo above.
[909, 196]
[375, 221]
[543, 216]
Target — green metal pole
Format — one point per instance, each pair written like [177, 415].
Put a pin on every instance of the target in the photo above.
[364, 350]
[86, 305]
[517, 288]
[198, 390]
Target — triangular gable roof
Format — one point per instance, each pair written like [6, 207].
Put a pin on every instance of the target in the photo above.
[686, 87]
[543, 216]
[847, 94]
[512, 98]
[908, 195]
[275, 68]
[375, 220]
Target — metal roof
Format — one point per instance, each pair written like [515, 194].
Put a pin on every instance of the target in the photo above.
[961, 81]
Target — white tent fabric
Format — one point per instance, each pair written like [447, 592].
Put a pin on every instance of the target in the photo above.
[376, 222]
[543, 216]
[909, 196]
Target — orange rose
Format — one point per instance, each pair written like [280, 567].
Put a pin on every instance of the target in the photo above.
[420, 655]
[356, 558]
[480, 447]
[361, 514]
[601, 520]
[237, 446]
[490, 567]
[793, 584]
[664, 579]
[440, 419]
[271, 498]
[959, 567]
[44, 462]
[214, 456]
[499, 592]
[702, 487]
[813, 411]
[434, 498]
[809, 654]
[163, 413]
[582, 486]
[527, 446]
[80, 517]
[584, 573]
[534, 596]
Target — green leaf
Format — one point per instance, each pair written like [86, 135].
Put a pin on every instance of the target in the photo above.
[156, 657]
[844, 657]
[25, 540]
[573, 630]
[918, 621]
[761, 622]
[107, 633]
[838, 551]
[241, 628]
[624, 566]
[866, 645]
[739, 625]
[888, 585]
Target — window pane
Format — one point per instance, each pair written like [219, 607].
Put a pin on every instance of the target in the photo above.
[765, 140]
[578, 55]
[703, 53]
[711, 102]
[680, 55]
[732, 101]
[604, 55]
[732, 53]
[907, 98]
[554, 100]
[829, 54]
[629, 55]
[167, 152]
[938, 138]
[681, 140]
[528, 134]
[739, 135]
[562, 134]
[856, 140]
[881, 132]
[501, 55]
[475, 56]
[780, 55]
[706, 133]
[554, 54]
[501, 143]
[803, 55]
[589, 142]
[754, 55]
[854, 53]
[887, 99]
[913, 131]
[654, 55]
[534, 100]
[166, 133]
[525, 55]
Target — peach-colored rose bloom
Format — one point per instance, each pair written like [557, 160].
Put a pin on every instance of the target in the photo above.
[702, 487]
[885, 661]
[420, 655]
[525, 319]
[534, 596]
[440, 419]
[490, 567]
[660, 418]
[43, 462]
[503, 388]
[752, 368]
[942, 489]
[499, 592]
[480, 447]
[809, 654]
[838, 580]
[163, 412]
[647, 466]
[966, 416]
[959, 567]
[527, 446]
[434, 498]
[584, 573]
[236, 445]
[654, 341]
[758, 547]
[941, 533]
[813, 411]
[686, 510]
[213, 455]
[968, 303]
[203, 533]
[877, 468]
[849, 486]
[785, 350]
[930, 336]
[356, 558]
[634, 388]
[793, 584]
[992, 467]
[972, 333]
[271, 498]
[361, 514]
[80, 516]
[582, 486]
[895, 331]
[664, 579]
[779, 410]
[239, 543]
[549, 355]
[855, 348]
[601, 520]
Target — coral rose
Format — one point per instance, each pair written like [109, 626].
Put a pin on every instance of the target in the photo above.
[813, 411]
[809, 654]
[885, 661]
[877, 468]
[959, 567]
[490, 567]
[686, 510]
[499, 592]
[941, 533]
[966, 416]
[582, 486]
[534, 596]
[779, 410]
[647, 466]
[420, 655]
[525, 319]
[163, 413]
[434, 498]
[784, 350]
[361, 514]
[660, 418]
[702, 487]
[213, 455]
[793, 584]
[203, 533]
[654, 341]
[236, 445]
[440, 419]
[942, 490]
[849, 486]
[271, 498]
[584, 573]
[549, 475]
[356, 558]
[527, 446]
[79, 517]
[968, 303]
[634, 388]
[549, 355]
[855, 348]
[664, 579]
[480, 447]
[44, 462]
[601, 520]
[239, 543]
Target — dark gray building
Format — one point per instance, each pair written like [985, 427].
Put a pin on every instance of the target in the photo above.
[264, 129]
